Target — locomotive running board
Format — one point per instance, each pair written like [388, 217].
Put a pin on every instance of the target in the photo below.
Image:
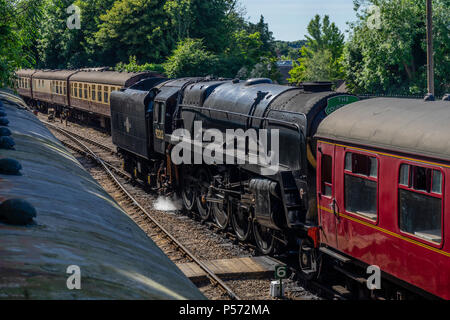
[334, 254]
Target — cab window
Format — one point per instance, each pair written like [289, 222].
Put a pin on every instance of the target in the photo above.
[420, 202]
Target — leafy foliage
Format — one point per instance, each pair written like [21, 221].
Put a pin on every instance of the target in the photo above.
[289, 50]
[190, 58]
[392, 59]
[247, 51]
[321, 58]
[133, 66]
[134, 27]
[17, 36]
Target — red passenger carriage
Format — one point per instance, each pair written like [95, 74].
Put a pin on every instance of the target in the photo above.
[383, 196]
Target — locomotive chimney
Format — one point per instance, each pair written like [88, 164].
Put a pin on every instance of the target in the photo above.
[318, 86]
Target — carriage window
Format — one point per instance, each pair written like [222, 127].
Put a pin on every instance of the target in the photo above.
[361, 181]
[85, 91]
[65, 88]
[99, 95]
[105, 94]
[94, 94]
[327, 174]
[420, 202]
[80, 91]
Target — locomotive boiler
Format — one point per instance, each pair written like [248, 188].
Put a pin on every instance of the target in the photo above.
[274, 203]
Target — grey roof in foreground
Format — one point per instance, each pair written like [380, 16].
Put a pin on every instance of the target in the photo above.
[77, 223]
[404, 125]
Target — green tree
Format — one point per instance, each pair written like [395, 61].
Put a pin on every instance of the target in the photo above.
[321, 57]
[191, 59]
[266, 36]
[133, 66]
[214, 21]
[135, 28]
[243, 54]
[391, 58]
[325, 36]
[17, 36]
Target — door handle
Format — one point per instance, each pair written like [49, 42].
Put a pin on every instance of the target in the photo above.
[334, 206]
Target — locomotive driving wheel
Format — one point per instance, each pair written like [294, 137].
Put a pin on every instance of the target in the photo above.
[221, 214]
[202, 193]
[188, 195]
[310, 263]
[241, 221]
[265, 241]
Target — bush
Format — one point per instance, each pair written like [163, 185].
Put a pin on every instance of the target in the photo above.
[132, 66]
[190, 59]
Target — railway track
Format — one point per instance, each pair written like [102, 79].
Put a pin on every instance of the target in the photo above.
[163, 238]
[159, 234]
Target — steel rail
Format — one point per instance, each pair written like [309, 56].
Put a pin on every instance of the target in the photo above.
[213, 277]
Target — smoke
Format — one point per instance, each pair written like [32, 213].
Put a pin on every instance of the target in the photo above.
[168, 204]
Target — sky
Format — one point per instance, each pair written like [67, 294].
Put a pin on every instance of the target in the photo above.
[288, 19]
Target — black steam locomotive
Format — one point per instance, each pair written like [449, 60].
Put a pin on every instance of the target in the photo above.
[248, 160]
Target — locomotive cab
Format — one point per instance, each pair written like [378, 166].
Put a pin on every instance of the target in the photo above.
[164, 109]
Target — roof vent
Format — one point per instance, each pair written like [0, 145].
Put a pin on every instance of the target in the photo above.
[7, 143]
[10, 167]
[4, 132]
[4, 121]
[251, 82]
[17, 212]
[317, 86]
[446, 97]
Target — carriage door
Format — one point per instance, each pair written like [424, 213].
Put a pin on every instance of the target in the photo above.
[328, 210]
[159, 116]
